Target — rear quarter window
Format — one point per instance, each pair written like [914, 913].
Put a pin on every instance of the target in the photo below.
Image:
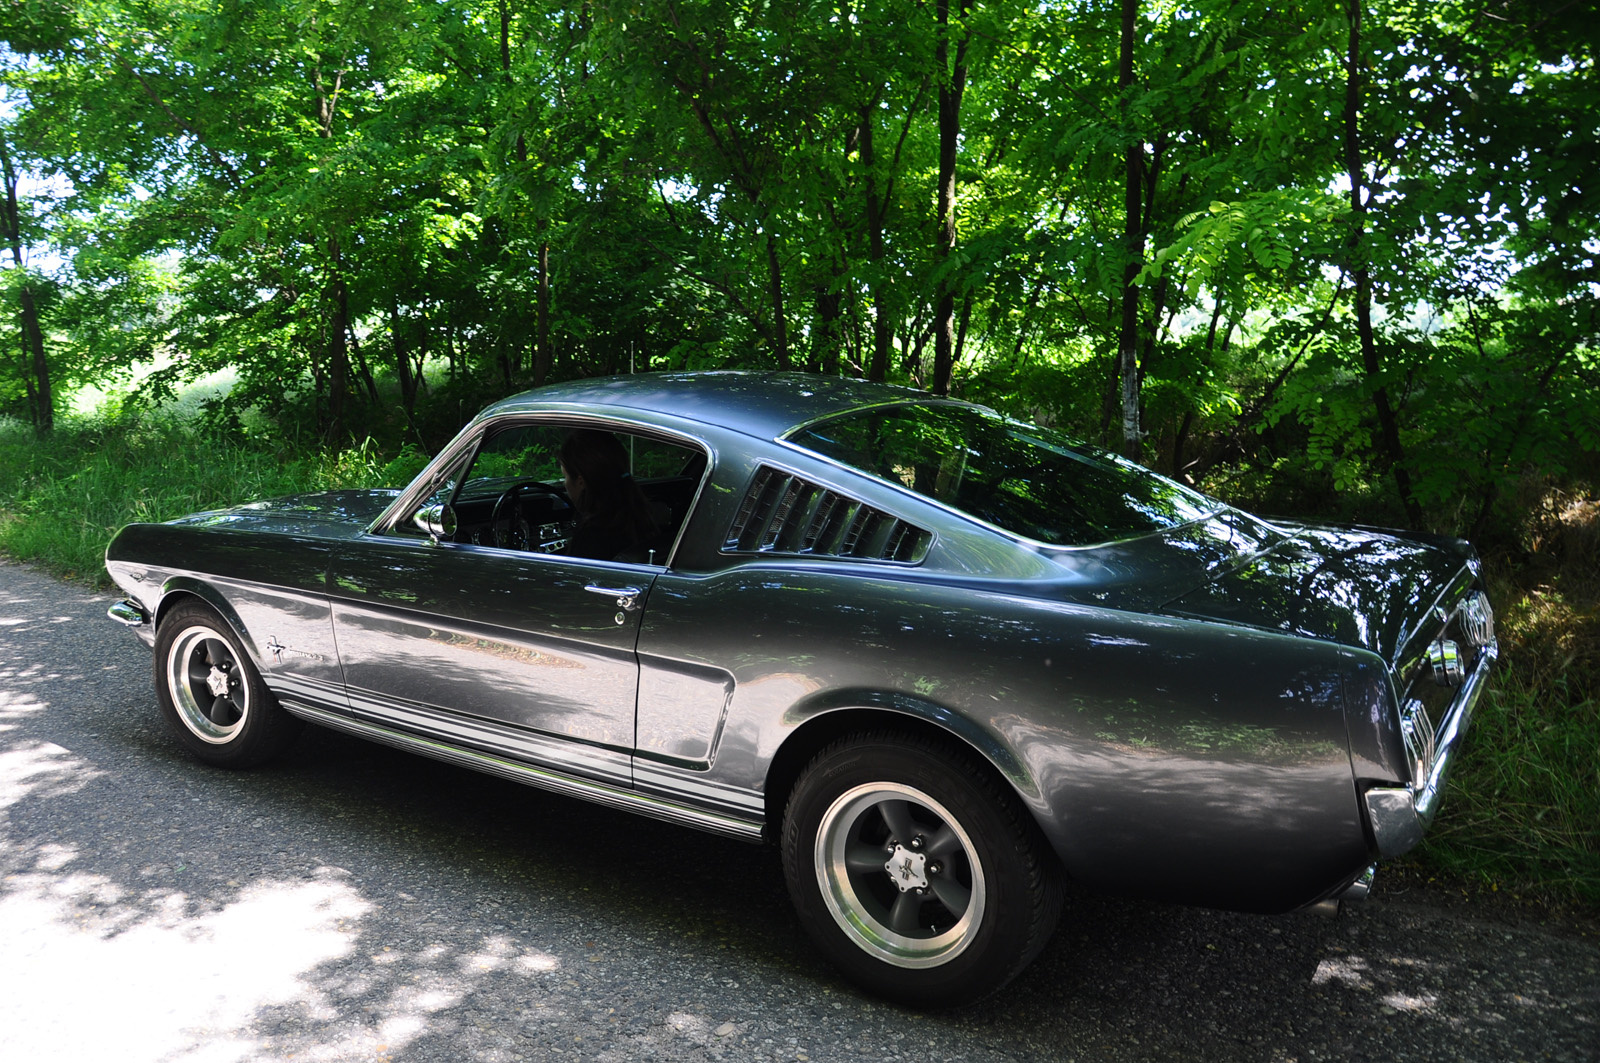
[1030, 481]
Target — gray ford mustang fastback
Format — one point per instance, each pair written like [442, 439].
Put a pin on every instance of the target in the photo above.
[942, 658]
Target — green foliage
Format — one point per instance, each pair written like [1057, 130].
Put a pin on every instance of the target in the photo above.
[64, 497]
[1523, 810]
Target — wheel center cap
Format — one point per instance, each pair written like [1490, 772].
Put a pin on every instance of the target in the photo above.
[908, 870]
[217, 682]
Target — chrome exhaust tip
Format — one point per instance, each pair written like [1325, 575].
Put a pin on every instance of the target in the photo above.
[1361, 888]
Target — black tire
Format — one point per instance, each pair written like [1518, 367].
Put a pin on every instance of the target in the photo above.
[212, 695]
[937, 919]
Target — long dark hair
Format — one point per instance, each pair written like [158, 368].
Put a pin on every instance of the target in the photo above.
[611, 501]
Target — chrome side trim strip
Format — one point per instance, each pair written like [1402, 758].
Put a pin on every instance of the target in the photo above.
[287, 687]
[666, 780]
[565, 756]
[597, 792]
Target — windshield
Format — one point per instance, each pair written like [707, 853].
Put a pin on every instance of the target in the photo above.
[1031, 481]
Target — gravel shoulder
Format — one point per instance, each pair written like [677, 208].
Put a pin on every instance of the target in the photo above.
[353, 902]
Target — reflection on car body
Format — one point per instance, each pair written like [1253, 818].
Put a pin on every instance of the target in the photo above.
[941, 658]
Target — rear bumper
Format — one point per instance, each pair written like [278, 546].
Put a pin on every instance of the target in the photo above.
[1400, 815]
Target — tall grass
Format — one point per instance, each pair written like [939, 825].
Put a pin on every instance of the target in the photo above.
[1522, 812]
[63, 497]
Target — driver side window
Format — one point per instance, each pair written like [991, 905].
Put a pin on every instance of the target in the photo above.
[527, 453]
[512, 495]
[624, 497]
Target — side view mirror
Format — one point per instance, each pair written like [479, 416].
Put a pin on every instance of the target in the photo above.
[438, 520]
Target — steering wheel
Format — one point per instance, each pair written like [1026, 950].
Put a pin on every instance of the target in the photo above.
[518, 534]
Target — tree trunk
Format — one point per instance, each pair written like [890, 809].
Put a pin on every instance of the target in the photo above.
[541, 352]
[338, 295]
[40, 396]
[882, 321]
[1133, 243]
[830, 329]
[780, 332]
[1388, 426]
[952, 73]
[44, 414]
[363, 370]
[338, 355]
[402, 360]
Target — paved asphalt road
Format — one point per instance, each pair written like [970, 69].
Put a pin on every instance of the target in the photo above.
[356, 903]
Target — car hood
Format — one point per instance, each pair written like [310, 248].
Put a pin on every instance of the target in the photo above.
[322, 514]
[1356, 586]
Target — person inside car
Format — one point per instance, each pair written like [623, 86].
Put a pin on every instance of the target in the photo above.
[615, 519]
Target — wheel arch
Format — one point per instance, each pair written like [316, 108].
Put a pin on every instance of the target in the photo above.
[863, 714]
[181, 589]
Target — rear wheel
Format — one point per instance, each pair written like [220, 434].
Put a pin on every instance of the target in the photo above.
[211, 693]
[915, 870]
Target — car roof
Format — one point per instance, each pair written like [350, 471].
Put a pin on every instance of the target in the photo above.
[766, 405]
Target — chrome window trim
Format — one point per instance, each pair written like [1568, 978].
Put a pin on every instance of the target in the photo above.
[911, 400]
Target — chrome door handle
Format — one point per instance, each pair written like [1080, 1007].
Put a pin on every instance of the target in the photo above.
[627, 598]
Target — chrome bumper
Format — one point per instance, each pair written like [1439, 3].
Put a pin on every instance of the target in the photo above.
[1401, 814]
[133, 615]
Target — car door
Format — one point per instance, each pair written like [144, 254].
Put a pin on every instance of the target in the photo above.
[520, 654]
[483, 638]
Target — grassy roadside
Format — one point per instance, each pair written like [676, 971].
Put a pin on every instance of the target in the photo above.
[62, 499]
[1523, 810]
[1523, 814]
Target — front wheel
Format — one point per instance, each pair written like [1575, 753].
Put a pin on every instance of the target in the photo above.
[915, 870]
[211, 693]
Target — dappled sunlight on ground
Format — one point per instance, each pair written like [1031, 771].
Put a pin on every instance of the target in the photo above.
[98, 970]
[131, 931]
[1354, 972]
[28, 767]
[155, 979]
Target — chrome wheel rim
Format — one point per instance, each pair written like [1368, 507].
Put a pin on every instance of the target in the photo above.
[899, 875]
[208, 685]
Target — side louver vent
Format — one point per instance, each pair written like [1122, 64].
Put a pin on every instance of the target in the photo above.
[784, 514]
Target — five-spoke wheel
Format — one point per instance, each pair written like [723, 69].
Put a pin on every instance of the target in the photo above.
[899, 873]
[211, 693]
[206, 684]
[915, 870]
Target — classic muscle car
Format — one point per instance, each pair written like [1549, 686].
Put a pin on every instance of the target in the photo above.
[940, 657]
